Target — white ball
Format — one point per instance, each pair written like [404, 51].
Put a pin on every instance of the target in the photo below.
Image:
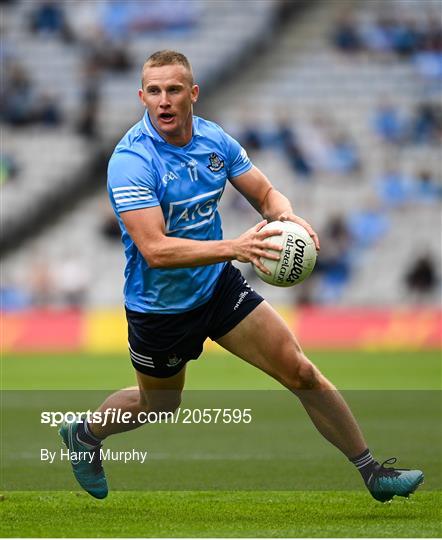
[298, 257]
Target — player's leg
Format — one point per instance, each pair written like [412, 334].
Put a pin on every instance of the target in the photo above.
[263, 339]
[159, 347]
[84, 440]
[152, 394]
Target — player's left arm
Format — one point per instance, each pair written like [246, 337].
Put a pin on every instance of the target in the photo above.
[268, 201]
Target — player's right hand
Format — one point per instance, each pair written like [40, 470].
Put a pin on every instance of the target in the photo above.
[254, 244]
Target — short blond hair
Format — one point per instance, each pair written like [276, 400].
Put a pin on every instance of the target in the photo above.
[167, 57]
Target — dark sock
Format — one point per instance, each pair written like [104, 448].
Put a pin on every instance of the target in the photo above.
[85, 436]
[365, 464]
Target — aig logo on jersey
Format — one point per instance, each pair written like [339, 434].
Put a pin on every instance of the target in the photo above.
[193, 212]
[216, 163]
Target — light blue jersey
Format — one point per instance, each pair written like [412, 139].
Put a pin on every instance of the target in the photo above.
[187, 182]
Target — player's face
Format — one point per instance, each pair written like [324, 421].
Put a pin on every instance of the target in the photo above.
[168, 95]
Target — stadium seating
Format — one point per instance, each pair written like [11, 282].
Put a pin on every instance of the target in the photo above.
[301, 77]
[58, 67]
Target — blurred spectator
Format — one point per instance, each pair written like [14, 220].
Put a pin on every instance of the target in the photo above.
[8, 52]
[164, 15]
[106, 53]
[392, 188]
[320, 146]
[64, 283]
[314, 139]
[19, 99]
[387, 124]
[428, 60]
[22, 105]
[87, 121]
[392, 32]
[251, 138]
[48, 110]
[48, 17]
[90, 101]
[8, 168]
[327, 147]
[41, 283]
[13, 297]
[345, 35]
[375, 35]
[368, 225]
[405, 37]
[397, 190]
[110, 228]
[426, 188]
[421, 278]
[71, 280]
[334, 260]
[343, 156]
[115, 18]
[287, 140]
[426, 126]
[119, 18]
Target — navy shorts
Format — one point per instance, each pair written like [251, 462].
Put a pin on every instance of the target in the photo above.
[160, 345]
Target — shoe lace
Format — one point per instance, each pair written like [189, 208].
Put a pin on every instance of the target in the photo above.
[386, 471]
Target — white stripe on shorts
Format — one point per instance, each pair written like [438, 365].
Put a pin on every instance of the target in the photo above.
[141, 362]
[140, 359]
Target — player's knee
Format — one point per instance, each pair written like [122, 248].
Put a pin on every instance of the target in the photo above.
[308, 376]
[303, 375]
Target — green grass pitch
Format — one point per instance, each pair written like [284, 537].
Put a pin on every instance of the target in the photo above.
[310, 512]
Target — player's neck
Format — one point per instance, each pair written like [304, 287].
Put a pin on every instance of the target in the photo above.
[180, 139]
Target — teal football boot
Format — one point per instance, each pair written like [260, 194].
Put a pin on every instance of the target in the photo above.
[85, 461]
[386, 482]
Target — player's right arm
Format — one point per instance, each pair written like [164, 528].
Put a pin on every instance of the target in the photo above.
[147, 229]
[135, 193]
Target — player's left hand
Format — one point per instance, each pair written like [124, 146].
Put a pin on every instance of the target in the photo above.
[288, 216]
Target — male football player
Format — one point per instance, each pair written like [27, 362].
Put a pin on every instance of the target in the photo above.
[165, 179]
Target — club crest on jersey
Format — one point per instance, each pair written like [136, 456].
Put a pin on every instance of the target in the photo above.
[173, 360]
[216, 163]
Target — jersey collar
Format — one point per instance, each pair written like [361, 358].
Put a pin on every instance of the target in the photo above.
[148, 129]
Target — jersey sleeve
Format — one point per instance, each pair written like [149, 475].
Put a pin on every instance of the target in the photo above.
[238, 160]
[131, 183]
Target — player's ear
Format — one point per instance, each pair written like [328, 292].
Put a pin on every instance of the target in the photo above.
[141, 96]
[195, 93]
